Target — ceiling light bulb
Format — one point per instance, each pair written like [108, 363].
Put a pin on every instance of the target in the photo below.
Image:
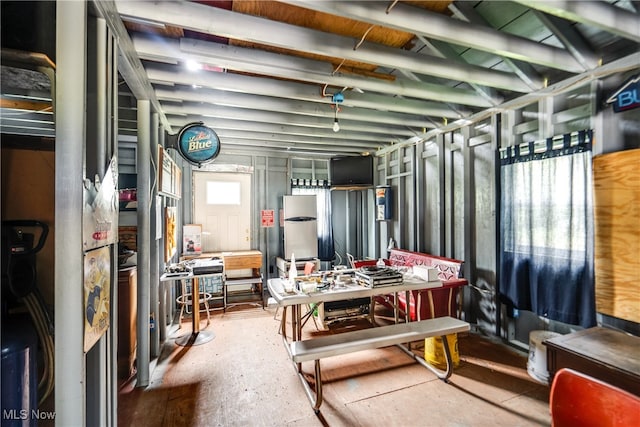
[336, 125]
[193, 65]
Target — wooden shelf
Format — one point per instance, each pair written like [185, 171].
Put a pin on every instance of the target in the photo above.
[243, 281]
[253, 288]
[242, 260]
[252, 284]
[252, 281]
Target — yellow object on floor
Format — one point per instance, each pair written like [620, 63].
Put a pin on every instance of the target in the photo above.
[434, 351]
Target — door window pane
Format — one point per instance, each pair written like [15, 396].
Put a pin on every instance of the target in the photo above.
[223, 193]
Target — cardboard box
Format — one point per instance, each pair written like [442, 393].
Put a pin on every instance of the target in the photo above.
[426, 273]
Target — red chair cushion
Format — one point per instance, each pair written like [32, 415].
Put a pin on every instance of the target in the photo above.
[444, 300]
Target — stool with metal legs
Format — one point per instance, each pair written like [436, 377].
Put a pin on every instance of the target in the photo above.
[185, 300]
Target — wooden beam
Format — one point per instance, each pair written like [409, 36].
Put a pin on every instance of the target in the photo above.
[20, 104]
[26, 142]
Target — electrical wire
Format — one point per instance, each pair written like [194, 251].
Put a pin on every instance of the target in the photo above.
[363, 37]
[155, 177]
[48, 345]
[46, 384]
[324, 91]
[391, 6]
[36, 323]
[338, 67]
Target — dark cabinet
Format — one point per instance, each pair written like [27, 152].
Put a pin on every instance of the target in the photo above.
[606, 354]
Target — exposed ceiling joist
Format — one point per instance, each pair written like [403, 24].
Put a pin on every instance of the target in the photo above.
[440, 27]
[600, 14]
[273, 72]
[281, 105]
[129, 64]
[570, 38]
[299, 69]
[260, 86]
[199, 18]
[276, 117]
[465, 11]
[370, 140]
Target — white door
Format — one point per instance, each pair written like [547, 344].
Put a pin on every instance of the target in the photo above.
[222, 204]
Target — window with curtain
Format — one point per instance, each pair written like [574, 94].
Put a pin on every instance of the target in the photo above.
[546, 241]
[319, 188]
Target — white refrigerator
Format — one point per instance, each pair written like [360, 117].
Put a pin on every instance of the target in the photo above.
[300, 227]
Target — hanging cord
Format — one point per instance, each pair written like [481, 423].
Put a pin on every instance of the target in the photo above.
[363, 37]
[154, 168]
[46, 384]
[324, 91]
[34, 302]
[391, 6]
[48, 341]
[333, 73]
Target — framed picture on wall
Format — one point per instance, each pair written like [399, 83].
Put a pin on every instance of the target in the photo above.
[170, 238]
[192, 239]
[97, 277]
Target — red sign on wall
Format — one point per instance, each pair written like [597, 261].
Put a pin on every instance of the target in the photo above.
[267, 217]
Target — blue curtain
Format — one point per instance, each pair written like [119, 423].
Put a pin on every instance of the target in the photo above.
[326, 249]
[546, 240]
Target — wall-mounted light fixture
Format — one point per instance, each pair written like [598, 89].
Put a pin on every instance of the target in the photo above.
[336, 125]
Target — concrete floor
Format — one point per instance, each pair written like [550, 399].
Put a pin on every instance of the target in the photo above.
[243, 377]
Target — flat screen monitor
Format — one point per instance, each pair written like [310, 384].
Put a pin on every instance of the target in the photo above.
[351, 171]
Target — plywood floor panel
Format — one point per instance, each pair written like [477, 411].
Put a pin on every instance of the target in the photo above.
[438, 404]
[243, 377]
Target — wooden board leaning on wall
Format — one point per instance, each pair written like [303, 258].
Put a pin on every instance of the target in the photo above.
[616, 181]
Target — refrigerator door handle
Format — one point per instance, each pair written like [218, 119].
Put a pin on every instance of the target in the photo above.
[300, 218]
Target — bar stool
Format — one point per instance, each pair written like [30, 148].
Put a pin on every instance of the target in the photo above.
[185, 300]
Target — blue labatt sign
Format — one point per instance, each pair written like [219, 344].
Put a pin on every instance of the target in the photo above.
[627, 97]
[198, 144]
